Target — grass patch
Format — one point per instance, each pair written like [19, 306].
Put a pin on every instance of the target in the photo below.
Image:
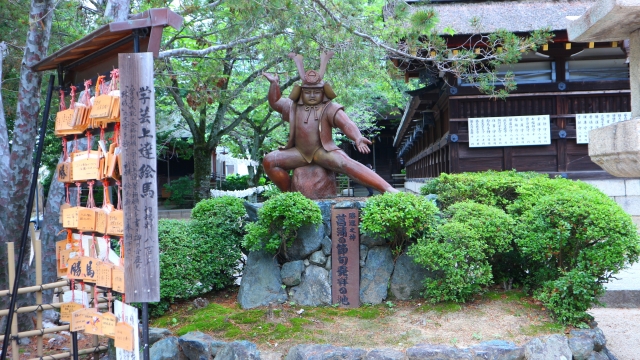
[248, 317]
[383, 325]
[509, 295]
[537, 329]
[363, 313]
[441, 308]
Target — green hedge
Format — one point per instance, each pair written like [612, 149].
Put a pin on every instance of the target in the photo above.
[560, 239]
[200, 255]
[278, 222]
[398, 217]
[461, 249]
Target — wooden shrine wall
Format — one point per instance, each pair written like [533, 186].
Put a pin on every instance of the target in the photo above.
[435, 153]
[430, 156]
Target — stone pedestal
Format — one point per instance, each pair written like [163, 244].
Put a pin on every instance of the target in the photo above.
[616, 148]
[314, 182]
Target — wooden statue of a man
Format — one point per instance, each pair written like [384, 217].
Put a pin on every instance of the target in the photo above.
[312, 115]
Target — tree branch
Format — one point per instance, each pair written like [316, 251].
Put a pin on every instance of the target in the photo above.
[246, 82]
[214, 4]
[174, 90]
[202, 52]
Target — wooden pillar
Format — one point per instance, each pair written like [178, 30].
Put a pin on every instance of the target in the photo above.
[139, 178]
[38, 259]
[562, 107]
[15, 351]
[507, 158]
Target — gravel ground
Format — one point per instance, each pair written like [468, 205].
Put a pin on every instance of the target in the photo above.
[621, 327]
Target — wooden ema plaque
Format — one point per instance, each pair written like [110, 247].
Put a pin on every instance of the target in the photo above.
[94, 323]
[345, 258]
[67, 310]
[137, 163]
[115, 223]
[80, 319]
[124, 336]
[109, 325]
[104, 275]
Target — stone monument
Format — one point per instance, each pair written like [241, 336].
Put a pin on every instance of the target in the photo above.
[310, 152]
[616, 147]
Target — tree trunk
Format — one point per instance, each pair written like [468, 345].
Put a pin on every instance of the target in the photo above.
[49, 232]
[16, 178]
[201, 171]
[117, 10]
[5, 153]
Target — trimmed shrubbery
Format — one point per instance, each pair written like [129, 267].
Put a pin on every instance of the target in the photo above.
[200, 255]
[399, 218]
[279, 220]
[558, 238]
[461, 249]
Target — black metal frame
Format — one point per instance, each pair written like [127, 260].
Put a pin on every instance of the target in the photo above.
[27, 219]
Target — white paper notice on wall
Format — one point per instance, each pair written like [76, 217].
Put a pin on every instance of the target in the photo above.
[130, 317]
[509, 131]
[588, 122]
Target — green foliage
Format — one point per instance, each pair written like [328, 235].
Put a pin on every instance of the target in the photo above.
[570, 296]
[574, 240]
[489, 188]
[560, 239]
[399, 218]
[271, 192]
[279, 220]
[181, 192]
[223, 211]
[460, 250]
[239, 182]
[195, 257]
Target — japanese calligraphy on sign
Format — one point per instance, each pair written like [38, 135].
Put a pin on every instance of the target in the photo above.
[139, 177]
[509, 131]
[588, 122]
[345, 258]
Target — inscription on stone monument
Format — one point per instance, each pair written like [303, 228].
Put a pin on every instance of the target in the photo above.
[345, 258]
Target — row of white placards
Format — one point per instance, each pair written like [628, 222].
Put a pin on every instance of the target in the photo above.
[532, 129]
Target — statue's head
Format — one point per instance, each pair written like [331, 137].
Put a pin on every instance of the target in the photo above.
[313, 89]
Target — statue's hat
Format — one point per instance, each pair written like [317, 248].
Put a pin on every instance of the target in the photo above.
[312, 78]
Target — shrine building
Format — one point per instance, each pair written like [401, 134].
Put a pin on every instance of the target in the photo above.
[564, 89]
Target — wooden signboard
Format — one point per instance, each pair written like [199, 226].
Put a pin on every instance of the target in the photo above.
[139, 178]
[345, 258]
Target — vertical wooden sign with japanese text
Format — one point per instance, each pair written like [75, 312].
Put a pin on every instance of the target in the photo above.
[139, 177]
[345, 258]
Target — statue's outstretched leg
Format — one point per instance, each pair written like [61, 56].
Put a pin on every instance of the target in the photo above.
[338, 161]
[278, 163]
